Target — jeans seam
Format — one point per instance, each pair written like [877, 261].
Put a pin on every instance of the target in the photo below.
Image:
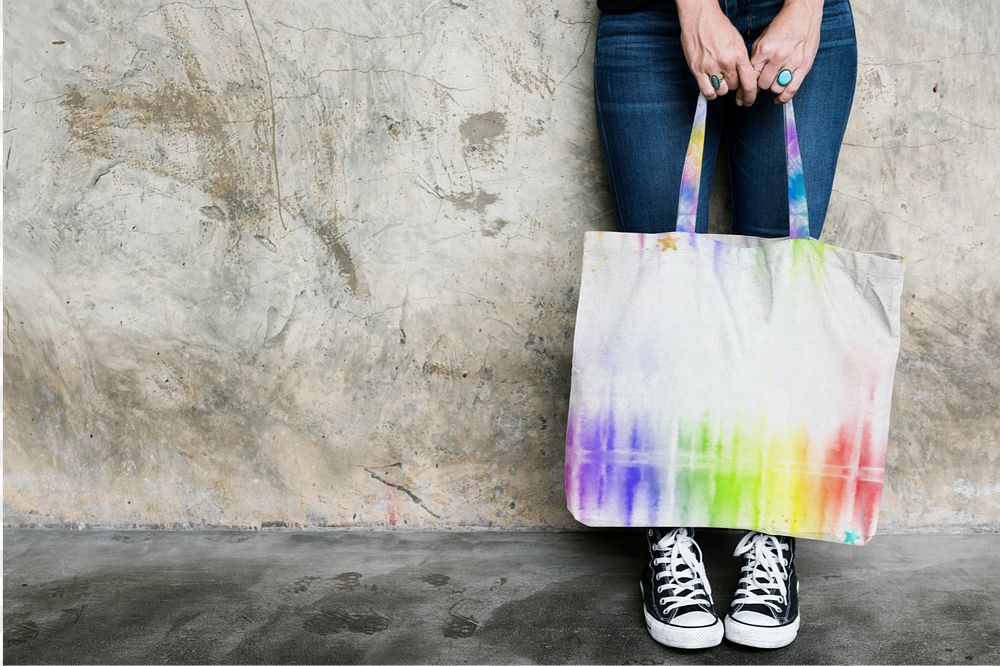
[619, 210]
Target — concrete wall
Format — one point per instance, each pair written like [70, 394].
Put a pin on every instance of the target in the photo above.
[312, 264]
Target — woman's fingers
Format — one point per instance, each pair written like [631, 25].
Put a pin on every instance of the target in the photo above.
[705, 84]
[788, 91]
[747, 93]
[778, 88]
[768, 78]
[714, 84]
[726, 83]
[767, 75]
[718, 82]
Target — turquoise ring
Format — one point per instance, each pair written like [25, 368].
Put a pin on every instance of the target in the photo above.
[784, 77]
[716, 81]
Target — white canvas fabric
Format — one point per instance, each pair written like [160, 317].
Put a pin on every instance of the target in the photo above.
[732, 381]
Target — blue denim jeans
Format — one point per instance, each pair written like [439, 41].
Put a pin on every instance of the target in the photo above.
[645, 99]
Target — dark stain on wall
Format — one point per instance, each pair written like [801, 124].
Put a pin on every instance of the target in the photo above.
[227, 127]
[117, 122]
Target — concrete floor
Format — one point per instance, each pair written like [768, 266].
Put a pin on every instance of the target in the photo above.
[477, 597]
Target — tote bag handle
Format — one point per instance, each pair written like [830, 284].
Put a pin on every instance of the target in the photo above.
[687, 206]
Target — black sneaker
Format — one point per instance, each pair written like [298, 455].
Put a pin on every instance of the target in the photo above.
[765, 609]
[676, 596]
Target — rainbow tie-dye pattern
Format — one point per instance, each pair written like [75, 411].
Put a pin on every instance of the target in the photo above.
[732, 381]
[687, 203]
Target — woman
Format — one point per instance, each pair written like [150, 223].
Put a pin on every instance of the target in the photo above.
[748, 57]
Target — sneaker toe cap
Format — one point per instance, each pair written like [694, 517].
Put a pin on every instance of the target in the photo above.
[694, 619]
[755, 618]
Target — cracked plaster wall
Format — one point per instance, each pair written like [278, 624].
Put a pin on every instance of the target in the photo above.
[302, 263]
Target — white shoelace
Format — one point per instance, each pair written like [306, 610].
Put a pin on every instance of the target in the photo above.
[764, 572]
[680, 549]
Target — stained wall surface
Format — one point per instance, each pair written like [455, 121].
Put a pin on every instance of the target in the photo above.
[306, 264]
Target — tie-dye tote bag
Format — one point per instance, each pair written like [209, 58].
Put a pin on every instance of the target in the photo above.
[732, 381]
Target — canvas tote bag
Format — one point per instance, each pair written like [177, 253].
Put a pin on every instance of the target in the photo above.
[732, 381]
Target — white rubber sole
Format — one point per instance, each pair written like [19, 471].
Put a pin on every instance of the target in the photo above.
[760, 637]
[688, 638]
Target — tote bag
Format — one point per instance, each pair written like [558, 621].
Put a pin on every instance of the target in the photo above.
[732, 381]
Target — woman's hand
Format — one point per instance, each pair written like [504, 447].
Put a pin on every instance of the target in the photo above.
[712, 45]
[789, 42]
